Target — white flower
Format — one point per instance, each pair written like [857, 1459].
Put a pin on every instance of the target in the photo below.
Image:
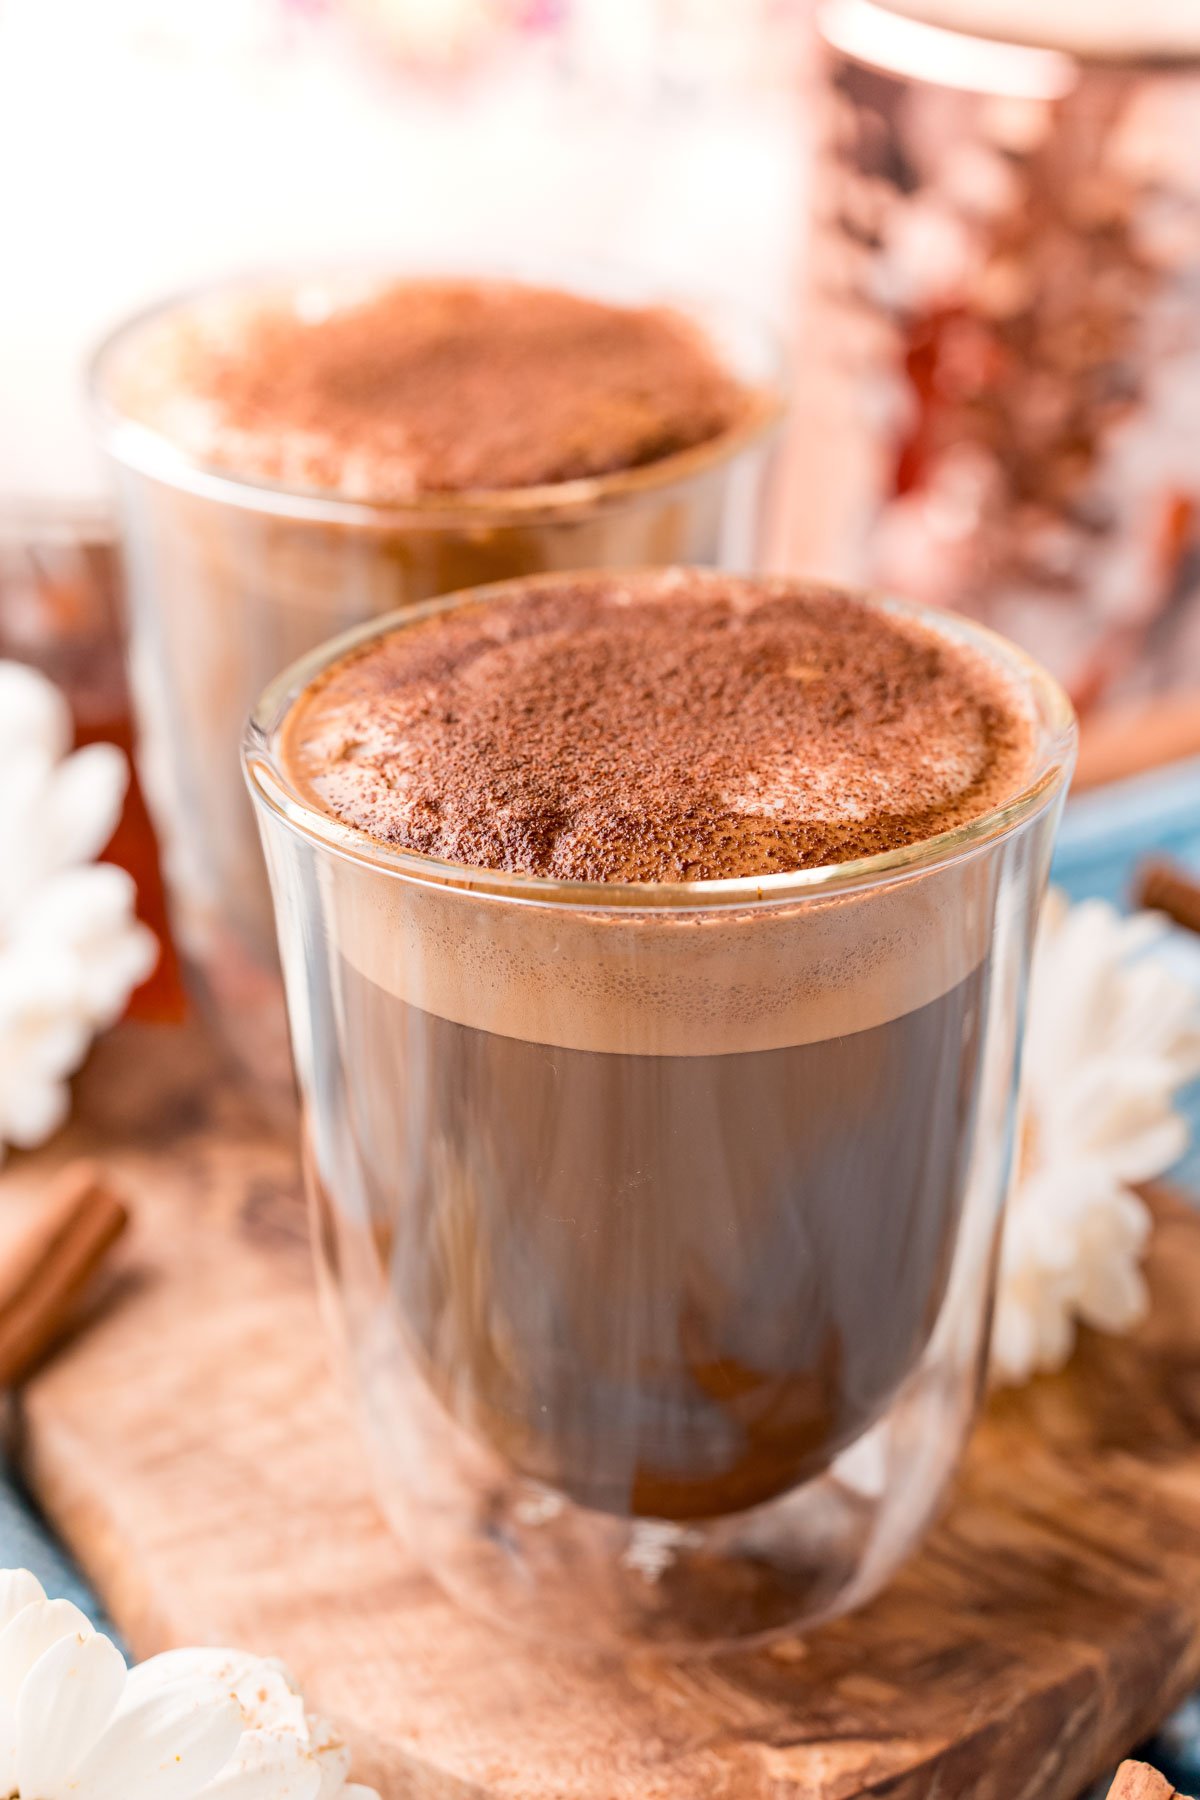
[1112, 1035]
[71, 951]
[75, 1724]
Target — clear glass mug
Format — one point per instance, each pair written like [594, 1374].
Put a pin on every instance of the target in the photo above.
[229, 580]
[657, 1223]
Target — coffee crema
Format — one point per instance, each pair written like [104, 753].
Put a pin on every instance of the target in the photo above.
[666, 1197]
[435, 387]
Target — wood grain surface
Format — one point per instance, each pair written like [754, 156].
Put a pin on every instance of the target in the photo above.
[194, 1451]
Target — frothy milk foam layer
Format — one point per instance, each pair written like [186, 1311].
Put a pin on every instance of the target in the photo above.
[393, 391]
[886, 733]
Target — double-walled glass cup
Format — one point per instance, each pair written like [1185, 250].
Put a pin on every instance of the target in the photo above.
[230, 579]
[658, 1222]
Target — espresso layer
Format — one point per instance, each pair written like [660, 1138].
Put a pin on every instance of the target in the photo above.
[669, 726]
[438, 387]
[667, 1286]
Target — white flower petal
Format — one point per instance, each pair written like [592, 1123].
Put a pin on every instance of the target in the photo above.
[18, 1588]
[333, 1757]
[268, 1765]
[1112, 1035]
[262, 1687]
[1013, 1345]
[1055, 1338]
[162, 1745]
[1115, 1299]
[85, 921]
[32, 712]
[1117, 1109]
[35, 985]
[29, 1634]
[112, 969]
[8, 1749]
[66, 1700]
[220, 1668]
[71, 949]
[272, 1701]
[32, 1110]
[1152, 1150]
[82, 906]
[29, 855]
[221, 1724]
[85, 803]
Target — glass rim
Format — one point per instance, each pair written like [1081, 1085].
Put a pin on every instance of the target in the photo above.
[271, 790]
[1052, 64]
[138, 445]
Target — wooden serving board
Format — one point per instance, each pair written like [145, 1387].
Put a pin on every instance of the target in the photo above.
[193, 1450]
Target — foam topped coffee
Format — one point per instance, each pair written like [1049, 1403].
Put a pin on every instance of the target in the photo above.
[433, 387]
[671, 726]
[668, 1191]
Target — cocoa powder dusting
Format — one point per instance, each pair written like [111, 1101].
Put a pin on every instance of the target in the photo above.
[669, 726]
[446, 386]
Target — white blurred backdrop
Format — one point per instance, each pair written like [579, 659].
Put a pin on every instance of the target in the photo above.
[152, 144]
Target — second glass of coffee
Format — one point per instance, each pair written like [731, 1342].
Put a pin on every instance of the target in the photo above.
[656, 949]
[294, 457]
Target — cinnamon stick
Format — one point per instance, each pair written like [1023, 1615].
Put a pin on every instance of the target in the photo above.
[45, 1269]
[1138, 1781]
[1164, 887]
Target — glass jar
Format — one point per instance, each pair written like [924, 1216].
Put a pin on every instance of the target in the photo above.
[1005, 337]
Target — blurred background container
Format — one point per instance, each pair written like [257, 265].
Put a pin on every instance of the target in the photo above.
[1004, 326]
